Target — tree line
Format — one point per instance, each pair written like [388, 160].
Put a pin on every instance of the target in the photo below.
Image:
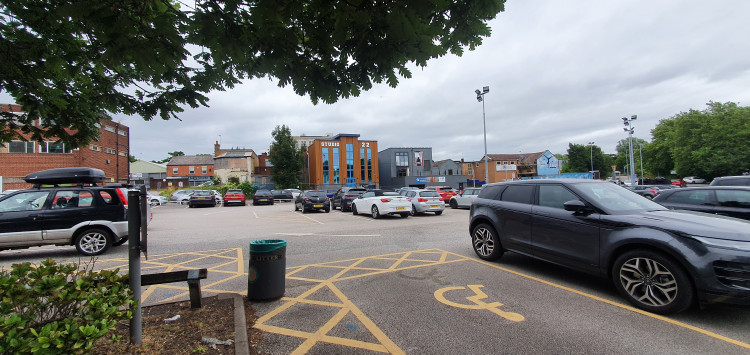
[707, 143]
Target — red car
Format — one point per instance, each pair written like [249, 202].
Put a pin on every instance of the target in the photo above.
[234, 196]
[446, 192]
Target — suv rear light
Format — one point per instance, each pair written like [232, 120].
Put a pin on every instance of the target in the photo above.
[422, 200]
[123, 197]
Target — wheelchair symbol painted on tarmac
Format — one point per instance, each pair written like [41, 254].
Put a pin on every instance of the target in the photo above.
[478, 295]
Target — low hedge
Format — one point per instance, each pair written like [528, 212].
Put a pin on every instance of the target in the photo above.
[55, 308]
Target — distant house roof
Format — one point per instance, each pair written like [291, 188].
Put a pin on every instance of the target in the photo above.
[525, 158]
[147, 167]
[236, 154]
[192, 160]
[440, 163]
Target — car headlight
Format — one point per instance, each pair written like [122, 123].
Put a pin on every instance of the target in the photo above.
[723, 243]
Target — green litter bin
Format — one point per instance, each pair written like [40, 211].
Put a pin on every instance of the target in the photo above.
[266, 274]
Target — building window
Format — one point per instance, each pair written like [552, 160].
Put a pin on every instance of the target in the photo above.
[402, 159]
[402, 172]
[471, 170]
[204, 170]
[21, 147]
[123, 153]
[109, 129]
[109, 151]
[362, 164]
[369, 165]
[349, 161]
[326, 173]
[96, 148]
[191, 170]
[336, 171]
[122, 133]
[175, 171]
[53, 148]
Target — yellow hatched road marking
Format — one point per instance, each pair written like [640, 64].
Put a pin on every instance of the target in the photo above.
[161, 263]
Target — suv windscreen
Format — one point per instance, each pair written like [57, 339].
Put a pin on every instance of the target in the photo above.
[316, 194]
[202, 193]
[614, 199]
[429, 194]
[234, 191]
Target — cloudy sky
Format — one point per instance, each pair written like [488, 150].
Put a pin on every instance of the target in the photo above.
[558, 72]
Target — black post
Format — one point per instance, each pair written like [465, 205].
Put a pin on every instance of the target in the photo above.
[134, 264]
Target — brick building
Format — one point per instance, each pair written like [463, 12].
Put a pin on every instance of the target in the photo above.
[189, 170]
[234, 162]
[109, 153]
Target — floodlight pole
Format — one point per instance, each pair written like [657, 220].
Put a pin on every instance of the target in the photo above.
[630, 129]
[480, 98]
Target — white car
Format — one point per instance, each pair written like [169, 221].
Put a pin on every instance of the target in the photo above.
[693, 180]
[156, 200]
[425, 201]
[378, 203]
[219, 198]
[464, 199]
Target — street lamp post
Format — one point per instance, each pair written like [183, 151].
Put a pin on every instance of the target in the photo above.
[630, 129]
[640, 153]
[480, 98]
[592, 159]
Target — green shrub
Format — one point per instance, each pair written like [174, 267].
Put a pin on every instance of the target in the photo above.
[59, 309]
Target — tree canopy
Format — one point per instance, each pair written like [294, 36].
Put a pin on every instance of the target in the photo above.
[579, 159]
[707, 143]
[287, 161]
[70, 63]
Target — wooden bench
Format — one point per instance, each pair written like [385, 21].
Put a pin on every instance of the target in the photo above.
[193, 278]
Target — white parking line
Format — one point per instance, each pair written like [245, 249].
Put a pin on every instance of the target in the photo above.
[354, 235]
[312, 219]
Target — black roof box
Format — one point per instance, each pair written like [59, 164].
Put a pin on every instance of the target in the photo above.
[77, 175]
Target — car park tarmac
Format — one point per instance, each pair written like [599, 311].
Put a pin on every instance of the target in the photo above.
[357, 285]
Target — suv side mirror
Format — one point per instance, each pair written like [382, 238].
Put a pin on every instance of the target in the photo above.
[575, 206]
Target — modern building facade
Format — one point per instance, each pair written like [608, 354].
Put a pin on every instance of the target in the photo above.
[343, 160]
[109, 153]
[414, 167]
[189, 170]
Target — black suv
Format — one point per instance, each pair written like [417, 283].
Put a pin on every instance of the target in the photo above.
[93, 218]
[660, 260]
[344, 196]
[731, 201]
[741, 180]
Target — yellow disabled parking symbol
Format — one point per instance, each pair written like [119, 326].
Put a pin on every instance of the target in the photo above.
[477, 303]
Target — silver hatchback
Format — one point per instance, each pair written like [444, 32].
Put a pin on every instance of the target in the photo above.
[425, 201]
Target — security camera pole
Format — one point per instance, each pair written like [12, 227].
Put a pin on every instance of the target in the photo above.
[480, 98]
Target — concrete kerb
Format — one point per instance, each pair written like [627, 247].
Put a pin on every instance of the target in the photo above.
[241, 342]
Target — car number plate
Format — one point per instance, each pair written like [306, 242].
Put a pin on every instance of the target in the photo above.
[434, 206]
[263, 199]
[316, 206]
[400, 208]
